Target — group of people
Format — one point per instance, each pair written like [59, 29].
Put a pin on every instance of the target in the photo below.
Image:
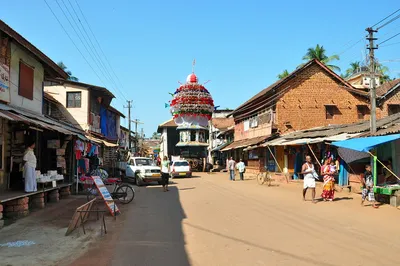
[233, 166]
[329, 171]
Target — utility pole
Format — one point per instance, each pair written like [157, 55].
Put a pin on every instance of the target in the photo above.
[136, 121]
[371, 49]
[129, 124]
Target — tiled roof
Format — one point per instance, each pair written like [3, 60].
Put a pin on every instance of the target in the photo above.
[385, 87]
[51, 65]
[386, 125]
[347, 85]
[169, 123]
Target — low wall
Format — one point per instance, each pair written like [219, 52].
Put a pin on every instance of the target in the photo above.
[21, 206]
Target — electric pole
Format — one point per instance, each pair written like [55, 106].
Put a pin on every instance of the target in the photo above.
[371, 49]
[129, 124]
[136, 121]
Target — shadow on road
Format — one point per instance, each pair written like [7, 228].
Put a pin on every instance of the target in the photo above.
[283, 253]
[152, 232]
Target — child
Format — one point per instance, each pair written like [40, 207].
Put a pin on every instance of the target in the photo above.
[368, 187]
[332, 167]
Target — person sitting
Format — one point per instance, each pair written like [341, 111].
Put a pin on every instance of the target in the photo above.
[389, 177]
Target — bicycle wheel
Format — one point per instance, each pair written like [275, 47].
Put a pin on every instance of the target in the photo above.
[260, 178]
[125, 194]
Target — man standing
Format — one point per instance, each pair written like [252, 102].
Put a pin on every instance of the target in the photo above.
[231, 167]
[368, 187]
[309, 178]
[242, 168]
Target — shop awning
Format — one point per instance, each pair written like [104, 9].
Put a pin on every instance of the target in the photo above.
[218, 148]
[365, 144]
[101, 141]
[110, 144]
[244, 143]
[14, 114]
[303, 141]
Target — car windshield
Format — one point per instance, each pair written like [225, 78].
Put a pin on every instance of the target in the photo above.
[181, 164]
[144, 162]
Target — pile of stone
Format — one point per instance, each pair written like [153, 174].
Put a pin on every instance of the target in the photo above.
[65, 192]
[1, 217]
[54, 196]
[37, 201]
[16, 208]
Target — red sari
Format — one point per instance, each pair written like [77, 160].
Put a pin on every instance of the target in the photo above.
[328, 192]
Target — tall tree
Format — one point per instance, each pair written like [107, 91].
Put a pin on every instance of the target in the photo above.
[284, 74]
[155, 135]
[353, 68]
[319, 53]
[384, 71]
[64, 67]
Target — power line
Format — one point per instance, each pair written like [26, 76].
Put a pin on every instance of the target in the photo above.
[94, 50]
[390, 38]
[386, 18]
[79, 36]
[390, 21]
[98, 44]
[390, 44]
[73, 42]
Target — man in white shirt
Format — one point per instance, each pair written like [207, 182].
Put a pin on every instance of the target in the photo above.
[242, 168]
[231, 168]
[30, 168]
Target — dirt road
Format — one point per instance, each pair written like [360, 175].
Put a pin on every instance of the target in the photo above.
[210, 220]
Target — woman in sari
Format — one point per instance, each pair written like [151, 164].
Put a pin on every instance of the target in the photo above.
[328, 191]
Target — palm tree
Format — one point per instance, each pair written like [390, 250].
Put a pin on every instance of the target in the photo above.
[284, 74]
[384, 71]
[64, 67]
[353, 68]
[319, 53]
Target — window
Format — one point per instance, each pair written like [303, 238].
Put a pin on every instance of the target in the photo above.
[74, 99]
[362, 110]
[26, 74]
[331, 111]
[144, 162]
[182, 163]
[193, 135]
[393, 109]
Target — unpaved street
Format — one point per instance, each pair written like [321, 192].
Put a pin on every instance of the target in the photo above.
[212, 221]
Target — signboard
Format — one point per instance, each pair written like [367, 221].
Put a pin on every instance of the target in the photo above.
[80, 217]
[105, 194]
[4, 83]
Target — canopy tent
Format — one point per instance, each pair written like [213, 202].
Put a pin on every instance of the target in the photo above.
[365, 144]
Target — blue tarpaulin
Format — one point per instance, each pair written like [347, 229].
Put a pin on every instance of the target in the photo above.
[365, 144]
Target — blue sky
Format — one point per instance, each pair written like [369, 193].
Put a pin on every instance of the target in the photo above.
[240, 46]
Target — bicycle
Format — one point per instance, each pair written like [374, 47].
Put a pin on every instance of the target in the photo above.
[265, 177]
[124, 193]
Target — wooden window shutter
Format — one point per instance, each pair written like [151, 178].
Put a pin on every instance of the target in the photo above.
[26, 76]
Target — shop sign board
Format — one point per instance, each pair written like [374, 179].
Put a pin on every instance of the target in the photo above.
[4, 83]
[105, 194]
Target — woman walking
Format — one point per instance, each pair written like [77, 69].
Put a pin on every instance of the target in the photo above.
[165, 170]
[30, 168]
[328, 191]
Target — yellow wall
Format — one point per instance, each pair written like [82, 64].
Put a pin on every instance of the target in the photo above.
[79, 116]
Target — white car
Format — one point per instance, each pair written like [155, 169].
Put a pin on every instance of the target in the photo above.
[142, 170]
[181, 168]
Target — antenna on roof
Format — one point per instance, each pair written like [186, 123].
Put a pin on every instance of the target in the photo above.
[193, 65]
